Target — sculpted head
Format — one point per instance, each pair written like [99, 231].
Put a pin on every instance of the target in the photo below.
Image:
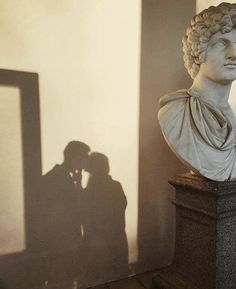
[198, 123]
[212, 21]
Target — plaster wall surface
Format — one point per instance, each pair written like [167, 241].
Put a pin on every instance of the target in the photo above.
[162, 71]
[87, 56]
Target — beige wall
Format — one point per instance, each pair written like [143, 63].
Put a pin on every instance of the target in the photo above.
[87, 54]
[162, 71]
[87, 57]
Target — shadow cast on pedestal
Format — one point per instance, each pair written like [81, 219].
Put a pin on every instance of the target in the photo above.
[205, 250]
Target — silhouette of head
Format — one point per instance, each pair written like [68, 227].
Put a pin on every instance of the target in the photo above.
[98, 164]
[76, 155]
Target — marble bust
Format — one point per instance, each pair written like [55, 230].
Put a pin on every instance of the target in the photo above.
[198, 124]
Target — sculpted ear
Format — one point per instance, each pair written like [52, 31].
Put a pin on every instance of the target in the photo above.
[202, 57]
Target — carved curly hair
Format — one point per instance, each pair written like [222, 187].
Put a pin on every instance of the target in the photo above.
[208, 22]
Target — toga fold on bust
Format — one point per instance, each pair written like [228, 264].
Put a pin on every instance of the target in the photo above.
[200, 134]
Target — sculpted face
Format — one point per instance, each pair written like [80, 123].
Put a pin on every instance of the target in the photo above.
[220, 62]
[198, 123]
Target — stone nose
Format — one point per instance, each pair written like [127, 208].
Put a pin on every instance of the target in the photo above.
[231, 51]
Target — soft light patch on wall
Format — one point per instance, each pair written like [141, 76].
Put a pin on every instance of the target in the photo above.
[87, 54]
[12, 238]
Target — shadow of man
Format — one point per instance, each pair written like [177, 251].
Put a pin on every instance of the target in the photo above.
[60, 229]
[104, 205]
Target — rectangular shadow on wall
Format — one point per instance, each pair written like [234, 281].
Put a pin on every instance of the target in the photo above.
[20, 169]
[162, 71]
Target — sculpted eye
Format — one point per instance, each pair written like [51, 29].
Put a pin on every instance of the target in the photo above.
[220, 43]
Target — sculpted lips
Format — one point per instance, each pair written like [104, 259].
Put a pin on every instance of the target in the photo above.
[230, 65]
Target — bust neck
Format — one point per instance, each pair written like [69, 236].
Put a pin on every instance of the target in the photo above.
[215, 92]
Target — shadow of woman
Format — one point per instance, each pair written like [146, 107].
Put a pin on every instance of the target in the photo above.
[104, 205]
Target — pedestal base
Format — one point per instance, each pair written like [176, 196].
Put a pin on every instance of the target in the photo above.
[205, 250]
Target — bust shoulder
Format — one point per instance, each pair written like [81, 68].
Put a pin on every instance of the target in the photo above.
[172, 108]
[199, 134]
[173, 96]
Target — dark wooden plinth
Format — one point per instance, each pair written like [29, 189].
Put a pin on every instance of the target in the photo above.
[205, 249]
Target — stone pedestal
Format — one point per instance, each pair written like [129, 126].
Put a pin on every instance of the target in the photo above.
[205, 250]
